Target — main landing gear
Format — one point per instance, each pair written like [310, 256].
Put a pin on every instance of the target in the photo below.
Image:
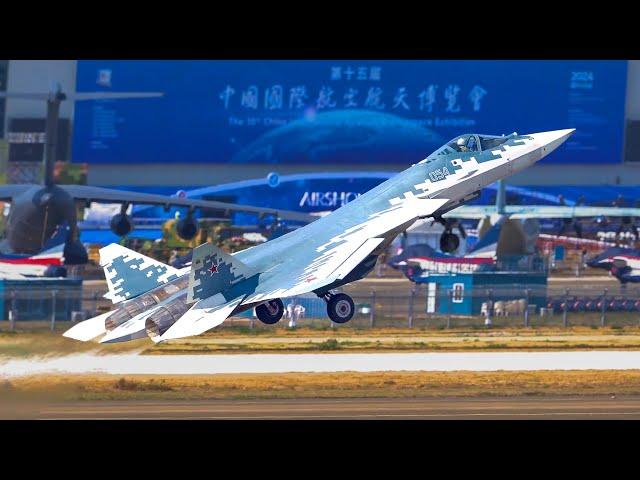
[340, 307]
[270, 312]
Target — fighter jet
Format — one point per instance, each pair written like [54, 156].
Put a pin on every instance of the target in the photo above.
[569, 215]
[622, 263]
[333, 251]
[419, 260]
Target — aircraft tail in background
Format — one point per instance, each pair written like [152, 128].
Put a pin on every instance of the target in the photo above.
[419, 260]
[46, 263]
[487, 246]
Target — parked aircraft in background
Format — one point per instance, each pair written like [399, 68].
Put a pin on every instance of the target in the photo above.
[449, 241]
[622, 263]
[36, 210]
[419, 260]
[333, 251]
[46, 263]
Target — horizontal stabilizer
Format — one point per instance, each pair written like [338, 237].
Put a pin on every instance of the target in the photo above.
[89, 329]
[130, 273]
[214, 271]
[202, 316]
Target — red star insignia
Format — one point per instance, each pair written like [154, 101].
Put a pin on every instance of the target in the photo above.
[213, 269]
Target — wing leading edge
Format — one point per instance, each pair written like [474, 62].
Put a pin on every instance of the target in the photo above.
[108, 195]
[476, 212]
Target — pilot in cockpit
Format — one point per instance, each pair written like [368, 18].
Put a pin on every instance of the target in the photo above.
[467, 143]
[461, 145]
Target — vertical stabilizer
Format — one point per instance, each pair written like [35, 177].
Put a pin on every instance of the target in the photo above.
[214, 271]
[487, 246]
[130, 273]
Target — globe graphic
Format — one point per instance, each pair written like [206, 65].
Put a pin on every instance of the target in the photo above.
[343, 137]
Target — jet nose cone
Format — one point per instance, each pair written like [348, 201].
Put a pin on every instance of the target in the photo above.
[551, 140]
[553, 135]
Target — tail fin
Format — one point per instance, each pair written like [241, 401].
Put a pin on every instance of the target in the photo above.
[214, 271]
[488, 244]
[56, 243]
[130, 273]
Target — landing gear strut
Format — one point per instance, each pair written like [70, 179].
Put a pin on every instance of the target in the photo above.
[270, 312]
[340, 307]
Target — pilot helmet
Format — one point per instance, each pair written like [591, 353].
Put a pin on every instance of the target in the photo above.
[461, 141]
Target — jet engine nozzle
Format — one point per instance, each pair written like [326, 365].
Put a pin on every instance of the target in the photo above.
[166, 316]
[187, 227]
[144, 302]
[129, 310]
[121, 224]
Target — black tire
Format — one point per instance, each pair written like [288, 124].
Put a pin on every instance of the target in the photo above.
[449, 242]
[270, 312]
[340, 308]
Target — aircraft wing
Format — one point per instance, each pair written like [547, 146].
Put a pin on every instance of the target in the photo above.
[7, 192]
[541, 211]
[552, 211]
[9, 271]
[318, 262]
[109, 195]
[471, 212]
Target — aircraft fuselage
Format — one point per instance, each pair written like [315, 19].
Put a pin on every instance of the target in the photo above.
[34, 216]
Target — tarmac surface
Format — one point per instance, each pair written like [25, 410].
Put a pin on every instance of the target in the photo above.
[503, 408]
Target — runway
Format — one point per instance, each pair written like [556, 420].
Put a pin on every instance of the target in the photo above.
[602, 407]
[133, 364]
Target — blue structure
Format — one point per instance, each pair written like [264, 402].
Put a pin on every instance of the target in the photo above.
[464, 293]
[34, 298]
[367, 112]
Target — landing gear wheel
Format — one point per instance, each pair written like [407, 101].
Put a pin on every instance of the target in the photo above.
[449, 242]
[340, 308]
[270, 312]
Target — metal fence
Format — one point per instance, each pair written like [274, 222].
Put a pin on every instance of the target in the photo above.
[49, 304]
[410, 307]
[512, 307]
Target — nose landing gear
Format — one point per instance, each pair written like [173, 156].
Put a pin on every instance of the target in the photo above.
[340, 307]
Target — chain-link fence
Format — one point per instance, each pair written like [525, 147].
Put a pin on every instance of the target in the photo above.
[412, 307]
[417, 307]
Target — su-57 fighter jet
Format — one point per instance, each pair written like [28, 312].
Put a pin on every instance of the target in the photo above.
[335, 250]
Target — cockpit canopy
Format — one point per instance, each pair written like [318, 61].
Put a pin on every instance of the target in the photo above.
[472, 143]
